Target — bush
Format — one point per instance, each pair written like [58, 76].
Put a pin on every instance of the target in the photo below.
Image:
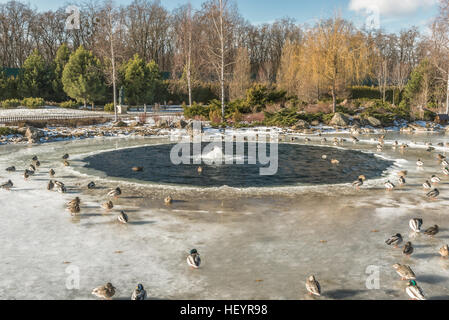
[387, 113]
[6, 131]
[69, 104]
[258, 96]
[33, 103]
[109, 107]
[198, 110]
[366, 92]
[10, 103]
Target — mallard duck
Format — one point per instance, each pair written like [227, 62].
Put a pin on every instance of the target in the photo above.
[444, 251]
[432, 231]
[441, 157]
[26, 174]
[139, 293]
[91, 185]
[74, 202]
[323, 140]
[435, 179]
[419, 163]
[416, 224]
[379, 147]
[389, 185]
[34, 158]
[168, 200]
[108, 205]
[414, 291]
[445, 163]
[74, 210]
[59, 183]
[66, 163]
[306, 140]
[358, 183]
[61, 188]
[404, 271]
[11, 169]
[401, 181]
[115, 193]
[50, 185]
[122, 217]
[193, 259]
[66, 156]
[37, 164]
[395, 240]
[335, 161]
[430, 149]
[104, 292]
[32, 168]
[408, 249]
[427, 185]
[354, 139]
[200, 170]
[313, 286]
[7, 185]
[51, 173]
[137, 169]
[433, 194]
[446, 171]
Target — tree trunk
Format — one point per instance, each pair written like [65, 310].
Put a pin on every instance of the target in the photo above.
[222, 63]
[447, 94]
[189, 59]
[114, 88]
[85, 104]
[334, 99]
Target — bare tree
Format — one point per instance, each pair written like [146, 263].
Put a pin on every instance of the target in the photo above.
[220, 18]
[108, 36]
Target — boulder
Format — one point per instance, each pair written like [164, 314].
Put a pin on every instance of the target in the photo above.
[33, 135]
[339, 120]
[301, 124]
[373, 122]
[162, 123]
[315, 123]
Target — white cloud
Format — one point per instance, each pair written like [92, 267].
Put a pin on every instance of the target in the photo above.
[390, 7]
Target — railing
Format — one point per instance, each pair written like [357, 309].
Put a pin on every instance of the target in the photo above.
[9, 119]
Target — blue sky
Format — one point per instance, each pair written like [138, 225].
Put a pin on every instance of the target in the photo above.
[394, 15]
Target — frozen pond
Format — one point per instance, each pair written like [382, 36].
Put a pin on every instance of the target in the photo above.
[297, 165]
[255, 243]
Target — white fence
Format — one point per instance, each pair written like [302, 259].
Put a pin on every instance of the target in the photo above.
[9, 119]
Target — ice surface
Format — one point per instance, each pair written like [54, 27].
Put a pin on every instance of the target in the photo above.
[254, 243]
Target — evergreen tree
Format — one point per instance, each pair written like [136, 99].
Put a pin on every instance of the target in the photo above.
[140, 81]
[35, 77]
[61, 59]
[82, 77]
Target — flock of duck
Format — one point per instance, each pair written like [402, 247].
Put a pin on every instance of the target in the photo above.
[313, 287]
[406, 273]
[106, 291]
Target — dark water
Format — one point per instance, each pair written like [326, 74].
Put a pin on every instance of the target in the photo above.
[297, 165]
